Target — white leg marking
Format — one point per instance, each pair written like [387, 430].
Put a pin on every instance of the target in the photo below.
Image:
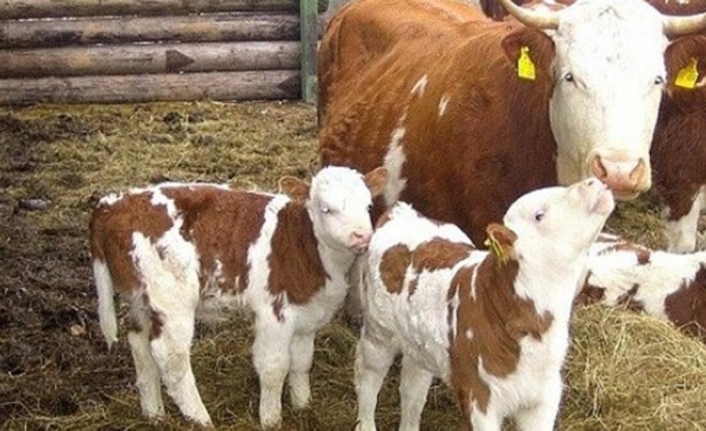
[172, 286]
[147, 375]
[372, 361]
[302, 354]
[681, 234]
[484, 422]
[171, 353]
[271, 358]
[414, 386]
[543, 415]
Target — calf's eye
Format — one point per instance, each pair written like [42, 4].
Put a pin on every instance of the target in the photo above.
[539, 215]
[325, 210]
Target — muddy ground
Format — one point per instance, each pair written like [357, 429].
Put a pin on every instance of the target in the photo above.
[57, 373]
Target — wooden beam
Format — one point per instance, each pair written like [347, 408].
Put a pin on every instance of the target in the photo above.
[308, 25]
[17, 9]
[236, 26]
[283, 84]
[150, 58]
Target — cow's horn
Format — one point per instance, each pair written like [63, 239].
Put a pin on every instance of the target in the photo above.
[544, 20]
[681, 25]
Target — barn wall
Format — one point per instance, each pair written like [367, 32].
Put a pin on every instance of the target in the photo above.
[104, 51]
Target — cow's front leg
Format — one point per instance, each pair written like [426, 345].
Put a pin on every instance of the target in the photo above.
[681, 232]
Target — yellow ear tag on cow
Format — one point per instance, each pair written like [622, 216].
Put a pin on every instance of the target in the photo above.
[687, 77]
[495, 248]
[525, 66]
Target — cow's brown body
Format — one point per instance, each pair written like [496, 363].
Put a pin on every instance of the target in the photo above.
[470, 75]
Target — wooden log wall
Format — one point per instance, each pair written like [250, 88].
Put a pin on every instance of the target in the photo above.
[104, 51]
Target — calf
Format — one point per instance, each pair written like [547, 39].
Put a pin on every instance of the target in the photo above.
[668, 286]
[173, 248]
[492, 325]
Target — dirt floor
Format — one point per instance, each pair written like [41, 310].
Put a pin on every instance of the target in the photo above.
[625, 372]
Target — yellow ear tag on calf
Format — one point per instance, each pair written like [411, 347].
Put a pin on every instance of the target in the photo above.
[496, 249]
[525, 66]
[687, 77]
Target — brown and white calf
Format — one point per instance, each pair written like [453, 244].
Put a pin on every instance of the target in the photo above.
[665, 285]
[175, 248]
[492, 325]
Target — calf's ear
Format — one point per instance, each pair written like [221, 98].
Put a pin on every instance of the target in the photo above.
[501, 241]
[376, 180]
[530, 53]
[294, 187]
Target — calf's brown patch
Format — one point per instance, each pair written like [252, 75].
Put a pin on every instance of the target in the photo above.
[686, 307]
[499, 320]
[295, 265]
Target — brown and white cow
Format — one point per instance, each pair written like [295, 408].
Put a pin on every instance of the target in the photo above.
[679, 147]
[175, 248]
[665, 285]
[462, 134]
[492, 325]
[678, 150]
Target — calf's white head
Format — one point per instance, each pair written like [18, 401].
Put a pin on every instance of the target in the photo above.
[338, 202]
[559, 224]
[607, 73]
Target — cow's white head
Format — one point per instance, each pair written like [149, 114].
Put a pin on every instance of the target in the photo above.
[608, 72]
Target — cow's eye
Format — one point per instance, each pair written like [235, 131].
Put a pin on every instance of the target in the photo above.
[538, 216]
[568, 77]
[659, 80]
[325, 210]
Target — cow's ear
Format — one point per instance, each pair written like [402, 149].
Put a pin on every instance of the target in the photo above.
[293, 187]
[376, 180]
[685, 58]
[529, 52]
[501, 242]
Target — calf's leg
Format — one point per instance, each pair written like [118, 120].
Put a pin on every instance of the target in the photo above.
[273, 340]
[543, 415]
[148, 383]
[302, 354]
[414, 386]
[171, 352]
[372, 361]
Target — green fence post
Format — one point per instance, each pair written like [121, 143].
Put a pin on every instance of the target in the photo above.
[308, 15]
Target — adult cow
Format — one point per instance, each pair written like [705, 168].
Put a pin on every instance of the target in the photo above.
[462, 134]
[678, 151]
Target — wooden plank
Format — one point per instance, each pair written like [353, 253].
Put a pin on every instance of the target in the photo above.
[16, 9]
[148, 58]
[308, 24]
[237, 26]
[282, 84]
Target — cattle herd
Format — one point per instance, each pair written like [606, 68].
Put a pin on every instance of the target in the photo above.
[471, 152]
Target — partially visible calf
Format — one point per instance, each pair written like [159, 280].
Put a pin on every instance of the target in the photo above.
[665, 285]
[172, 249]
[492, 325]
